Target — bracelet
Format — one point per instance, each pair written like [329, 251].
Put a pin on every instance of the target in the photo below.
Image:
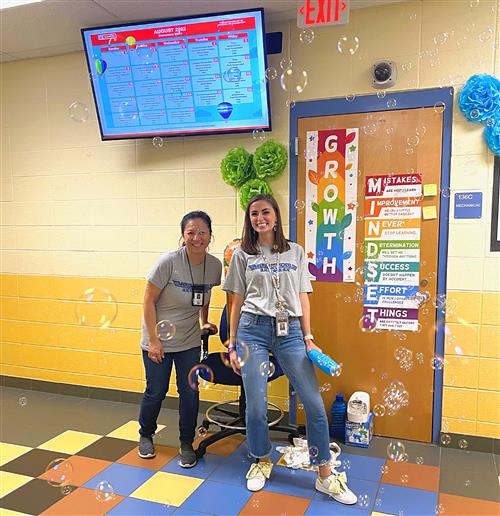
[308, 337]
[231, 348]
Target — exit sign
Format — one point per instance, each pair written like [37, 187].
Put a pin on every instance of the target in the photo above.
[320, 13]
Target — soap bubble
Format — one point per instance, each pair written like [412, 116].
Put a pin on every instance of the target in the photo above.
[285, 63]
[348, 45]
[404, 479]
[23, 401]
[369, 129]
[388, 148]
[158, 142]
[300, 205]
[419, 460]
[366, 325]
[326, 387]
[200, 376]
[350, 97]
[338, 371]
[395, 397]
[490, 122]
[396, 451]
[437, 362]
[439, 106]
[58, 472]
[467, 483]
[439, 509]
[364, 501]
[66, 490]
[379, 410]
[267, 368]
[293, 80]
[202, 431]
[165, 330]
[445, 439]
[463, 444]
[486, 35]
[441, 38]
[313, 452]
[413, 141]
[474, 113]
[232, 74]
[306, 36]
[381, 94]
[104, 491]
[242, 353]
[96, 307]
[271, 73]
[290, 103]
[78, 112]
[258, 134]
[346, 464]
[407, 66]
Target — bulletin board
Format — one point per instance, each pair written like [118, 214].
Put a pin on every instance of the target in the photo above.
[370, 360]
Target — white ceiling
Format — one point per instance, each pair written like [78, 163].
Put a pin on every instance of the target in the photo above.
[52, 27]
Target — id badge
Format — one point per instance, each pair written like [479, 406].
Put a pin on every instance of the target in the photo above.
[197, 295]
[281, 323]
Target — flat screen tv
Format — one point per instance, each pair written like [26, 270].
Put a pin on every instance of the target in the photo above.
[180, 77]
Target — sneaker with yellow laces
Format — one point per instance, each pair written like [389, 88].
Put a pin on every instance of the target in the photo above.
[335, 486]
[257, 475]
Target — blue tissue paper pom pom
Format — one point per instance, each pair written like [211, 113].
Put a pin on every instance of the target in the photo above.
[492, 137]
[479, 99]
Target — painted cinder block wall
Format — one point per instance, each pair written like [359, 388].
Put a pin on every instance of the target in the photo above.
[78, 213]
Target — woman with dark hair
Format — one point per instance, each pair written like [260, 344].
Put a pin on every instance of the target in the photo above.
[177, 295]
[270, 313]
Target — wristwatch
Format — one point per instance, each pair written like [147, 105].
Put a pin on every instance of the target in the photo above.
[308, 337]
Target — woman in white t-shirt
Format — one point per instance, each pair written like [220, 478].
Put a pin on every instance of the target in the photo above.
[270, 313]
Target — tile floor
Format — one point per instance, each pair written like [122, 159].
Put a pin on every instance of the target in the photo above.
[103, 474]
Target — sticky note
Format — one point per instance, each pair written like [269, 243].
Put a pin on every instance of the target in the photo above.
[429, 212]
[430, 189]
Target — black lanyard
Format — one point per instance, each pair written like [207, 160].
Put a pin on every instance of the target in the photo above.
[197, 290]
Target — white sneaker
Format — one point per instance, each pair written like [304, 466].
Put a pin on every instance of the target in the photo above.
[257, 475]
[336, 486]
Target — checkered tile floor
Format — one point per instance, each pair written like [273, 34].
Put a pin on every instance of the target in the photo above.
[216, 485]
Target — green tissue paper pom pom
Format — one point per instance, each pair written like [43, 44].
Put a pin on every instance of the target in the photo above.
[269, 160]
[236, 168]
[252, 188]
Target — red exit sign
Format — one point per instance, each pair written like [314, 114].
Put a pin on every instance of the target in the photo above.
[320, 13]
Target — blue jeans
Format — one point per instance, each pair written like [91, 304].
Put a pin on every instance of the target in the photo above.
[157, 380]
[258, 332]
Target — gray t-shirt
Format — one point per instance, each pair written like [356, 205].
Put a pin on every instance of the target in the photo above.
[249, 277]
[171, 274]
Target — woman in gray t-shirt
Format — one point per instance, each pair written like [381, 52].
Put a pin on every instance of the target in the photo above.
[176, 302]
[270, 313]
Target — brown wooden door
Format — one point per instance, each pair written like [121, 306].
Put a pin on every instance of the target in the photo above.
[368, 358]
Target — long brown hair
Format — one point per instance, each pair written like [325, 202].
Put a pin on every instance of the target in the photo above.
[250, 237]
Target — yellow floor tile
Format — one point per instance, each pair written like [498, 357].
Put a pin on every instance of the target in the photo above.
[10, 452]
[11, 481]
[179, 488]
[374, 513]
[70, 442]
[6, 512]
[130, 431]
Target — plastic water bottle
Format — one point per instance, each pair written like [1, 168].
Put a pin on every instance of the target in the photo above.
[338, 414]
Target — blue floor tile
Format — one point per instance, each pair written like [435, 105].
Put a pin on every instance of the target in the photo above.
[203, 469]
[136, 507]
[216, 498]
[295, 482]
[359, 466]
[232, 470]
[396, 499]
[333, 507]
[124, 479]
[365, 490]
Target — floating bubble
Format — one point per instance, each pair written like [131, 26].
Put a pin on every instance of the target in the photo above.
[313, 452]
[419, 460]
[232, 74]
[413, 141]
[437, 362]
[290, 103]
[384, 469]
[348, 45]
[445, 439]
[300, 205]
[392, 103]
[404, 479]
[78, 112]
[346, 464]
[338, 371]
[271, 73]
[66, 490]
[202, 431]
[379, 410]
[267, 368]
[381, 94]
[474, 113]
[158, 142]
[439, 106]
[285, 64]
[486, 36]
[374, 390]
[200, 376]
[421, 130]
[369, 129]
[96, 307]
[409, 150]
[326, 387]
[23, 401]
[467, 483]
[395, 397]
[364, 501]
[366, 324]
[490, 122]
[165, 330]
[388, 148]
[407, 66]
[463, 444]
[258, 134]
[58, 472]
[224, 358]
[439, 509]
[104, 491]
[350, 97]
[396, 451]
[441, 38]
[293, 80]
[306, 36]
[242, 353]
